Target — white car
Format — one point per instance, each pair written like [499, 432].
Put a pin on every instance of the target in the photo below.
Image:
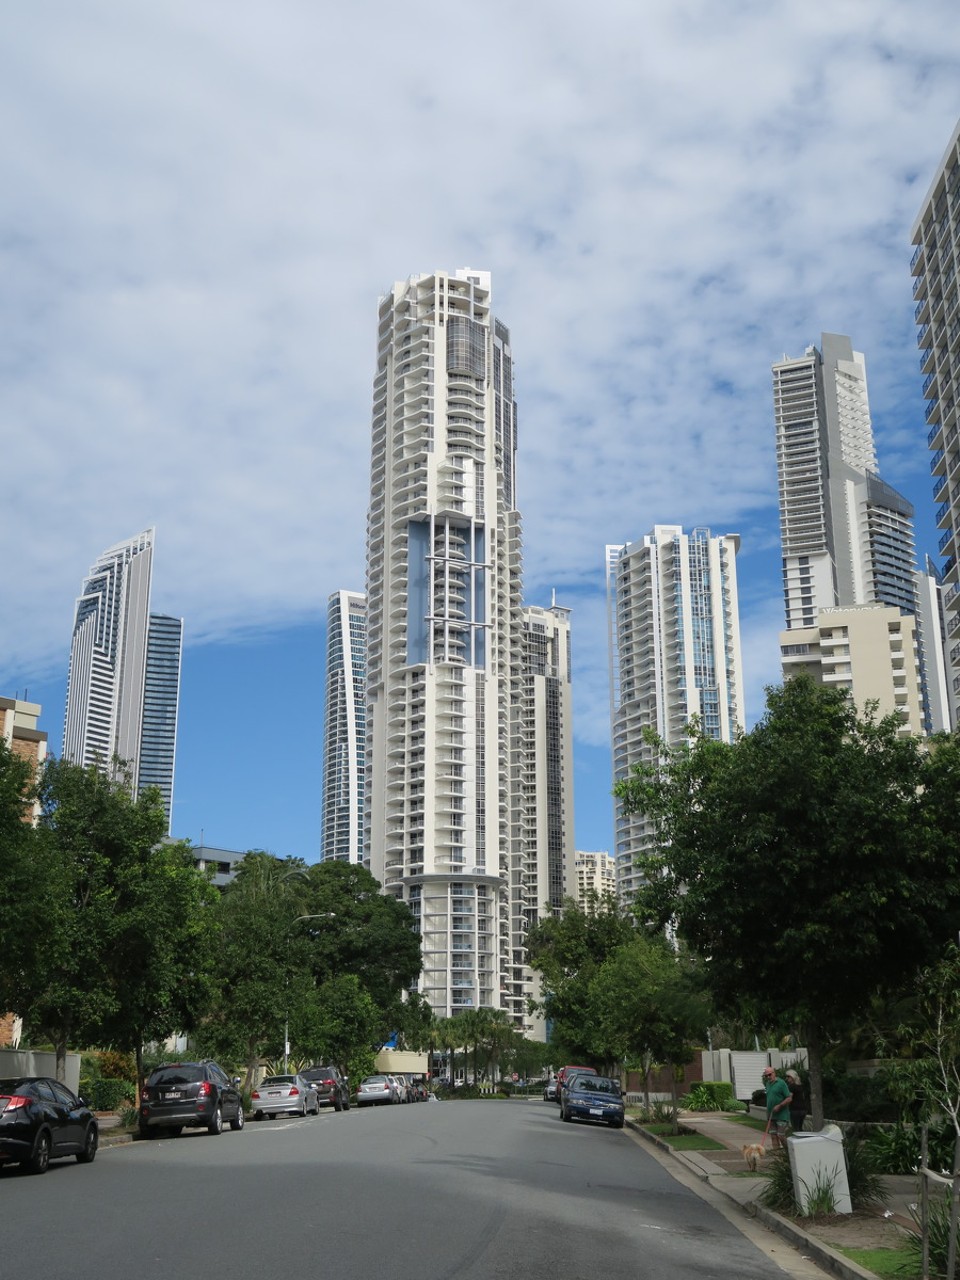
[279, 1094]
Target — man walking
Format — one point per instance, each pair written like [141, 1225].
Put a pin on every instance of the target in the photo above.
[778, 1108]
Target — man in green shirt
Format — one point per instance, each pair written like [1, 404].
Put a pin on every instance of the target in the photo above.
[778, 1108]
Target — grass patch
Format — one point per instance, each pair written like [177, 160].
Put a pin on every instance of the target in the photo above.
[683, 1141]
[748, 1122]
[883, 1262]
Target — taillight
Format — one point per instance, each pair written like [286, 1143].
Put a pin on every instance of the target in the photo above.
[255, 1094]
[14, 1101]
[294, 1091]
[145, 1096]
[206, 1088]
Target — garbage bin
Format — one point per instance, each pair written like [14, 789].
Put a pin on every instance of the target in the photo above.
[817, 1160]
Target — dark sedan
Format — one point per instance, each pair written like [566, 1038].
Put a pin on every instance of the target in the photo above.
[333, 1088]
[41, 1120]
[595, 1098]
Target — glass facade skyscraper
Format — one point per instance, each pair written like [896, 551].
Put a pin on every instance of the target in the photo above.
[344, 728]
[124, 678]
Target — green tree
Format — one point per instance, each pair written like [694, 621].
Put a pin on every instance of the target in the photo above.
[811, 864]
[287, 931]
[94, 840]
[162, 956]
[25, 902]
[567, 950]
[649, 1006]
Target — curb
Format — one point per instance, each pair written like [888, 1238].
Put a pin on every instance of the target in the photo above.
[822, 1254]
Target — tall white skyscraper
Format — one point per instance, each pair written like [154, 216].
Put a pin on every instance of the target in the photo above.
[847, 537]
[936, 287]
[124, 679]
[448, 650]
[674, 627]
[344, 728]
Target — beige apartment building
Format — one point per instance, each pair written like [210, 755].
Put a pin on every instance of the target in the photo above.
[593, 873]
[871, 651]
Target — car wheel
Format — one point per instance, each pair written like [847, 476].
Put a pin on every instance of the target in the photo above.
[271, 1115]
[237, 1122]
[91, 1141]
[346, 1104]
[174, 1130]
[618, 1124]
[564, 1114]
[216, 1123]
[337, 1104]
[39, 1160]
[143, 1129]
[316, 1106]
[258, 1115]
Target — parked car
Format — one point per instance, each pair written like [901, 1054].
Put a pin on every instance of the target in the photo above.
[408, 1090]
[275, 1095]
[567, 1073]
[332, 1086]
[550, 1090]
[376, 1091]
[593, 1097]
[42, 1120]
[190, 1095]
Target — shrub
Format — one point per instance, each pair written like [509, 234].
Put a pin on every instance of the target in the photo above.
[117, 1066]
[108, 1095]
[938, 1232]
[710, 1095]
[759, 1097]
[896, 1149]
[864, 1182]
[778, 1193]
[860, 1098]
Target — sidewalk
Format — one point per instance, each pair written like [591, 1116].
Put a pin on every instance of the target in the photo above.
[726, 1172]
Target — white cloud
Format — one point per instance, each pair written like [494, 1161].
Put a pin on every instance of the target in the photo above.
[202, 203]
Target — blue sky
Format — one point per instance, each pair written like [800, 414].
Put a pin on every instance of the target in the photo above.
[202, 203]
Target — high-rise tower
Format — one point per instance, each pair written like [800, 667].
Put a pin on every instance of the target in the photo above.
[847, 537]
[936, 287]
[674, 627]
[344, 728]
[447, 656]
[124, 679]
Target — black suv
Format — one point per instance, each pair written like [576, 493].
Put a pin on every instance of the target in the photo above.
[333, 1088]
[194, 1095]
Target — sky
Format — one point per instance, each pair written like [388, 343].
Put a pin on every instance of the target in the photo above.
[202, 204]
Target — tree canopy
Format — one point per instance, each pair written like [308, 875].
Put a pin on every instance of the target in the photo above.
[811, 863]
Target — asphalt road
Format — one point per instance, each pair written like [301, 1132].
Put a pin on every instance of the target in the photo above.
[437, 1191]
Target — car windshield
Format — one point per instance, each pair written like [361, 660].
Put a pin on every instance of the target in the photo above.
[279, 1080]
[597, 1084]
[374, 1080]
[178, 1074]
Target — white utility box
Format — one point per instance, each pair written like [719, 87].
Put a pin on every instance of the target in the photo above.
[817, 1159]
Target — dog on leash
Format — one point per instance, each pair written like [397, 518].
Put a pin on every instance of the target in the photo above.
[753, 1153]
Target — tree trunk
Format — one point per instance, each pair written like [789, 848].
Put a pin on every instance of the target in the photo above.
[139, 1055]
[60, 1045]
[815, 1070]
[676, 1108]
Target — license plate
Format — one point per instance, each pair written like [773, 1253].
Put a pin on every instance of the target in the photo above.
[273, 1093]
[596, 1111]
[172, 1094]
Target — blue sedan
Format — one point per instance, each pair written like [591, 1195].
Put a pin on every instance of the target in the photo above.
[596, 1098]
